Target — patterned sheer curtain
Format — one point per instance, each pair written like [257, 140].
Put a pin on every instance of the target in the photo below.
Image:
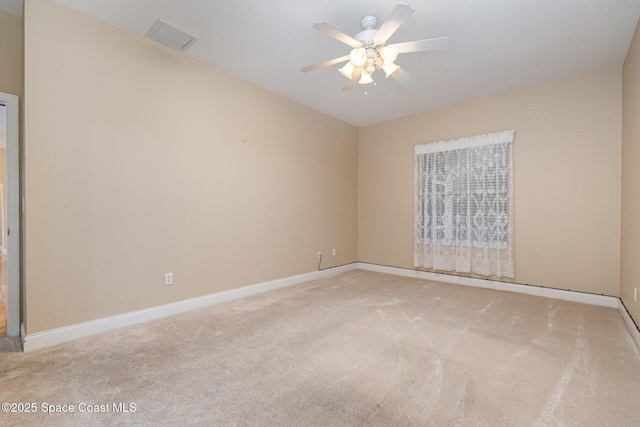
[464, 205]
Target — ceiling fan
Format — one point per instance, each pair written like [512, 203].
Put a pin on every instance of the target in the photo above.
[369, 50]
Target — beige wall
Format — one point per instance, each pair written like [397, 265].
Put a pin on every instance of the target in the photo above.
[630, 242]
[141, 161]
[566, 179]
[11, 54]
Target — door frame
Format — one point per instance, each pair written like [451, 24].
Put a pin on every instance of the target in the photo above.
[11, 103]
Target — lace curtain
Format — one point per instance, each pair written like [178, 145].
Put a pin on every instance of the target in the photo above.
[464, 205]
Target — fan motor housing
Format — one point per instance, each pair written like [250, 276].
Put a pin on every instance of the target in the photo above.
[368, 24]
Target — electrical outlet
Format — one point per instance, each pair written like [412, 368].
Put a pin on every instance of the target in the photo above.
[319, 255]
[635, 294]
[334, 252]
[168, 278]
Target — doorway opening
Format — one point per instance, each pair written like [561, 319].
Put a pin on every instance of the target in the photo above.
[9, 217]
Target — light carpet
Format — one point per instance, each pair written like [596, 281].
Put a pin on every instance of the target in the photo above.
[357, 349]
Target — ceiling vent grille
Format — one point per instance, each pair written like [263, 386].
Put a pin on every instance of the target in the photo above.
[171, 36]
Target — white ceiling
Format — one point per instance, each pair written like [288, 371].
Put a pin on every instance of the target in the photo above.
[494, 45]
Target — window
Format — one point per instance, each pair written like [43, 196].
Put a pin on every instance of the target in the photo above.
[463, 205]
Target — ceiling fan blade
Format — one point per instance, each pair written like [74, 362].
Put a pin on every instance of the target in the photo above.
[401, 76]
[323, 27]
[422, 45]
[354, 79]
[393, 22]
[325, 64]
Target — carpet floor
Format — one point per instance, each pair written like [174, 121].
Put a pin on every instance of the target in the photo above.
[357, 349]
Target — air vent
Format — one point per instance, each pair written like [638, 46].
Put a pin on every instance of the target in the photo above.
[171, 36]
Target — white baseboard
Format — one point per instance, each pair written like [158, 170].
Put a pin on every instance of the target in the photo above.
[23, 333]
[633, 329]
[593, 299]
[566, 295]
[39, 340]
[52, 337]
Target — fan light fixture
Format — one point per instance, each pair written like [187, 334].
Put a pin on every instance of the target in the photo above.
[365, 78]
[370, 59]
[390, 69]
[388, 54]
[358, 57]
[347, 70]
[369, 49]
